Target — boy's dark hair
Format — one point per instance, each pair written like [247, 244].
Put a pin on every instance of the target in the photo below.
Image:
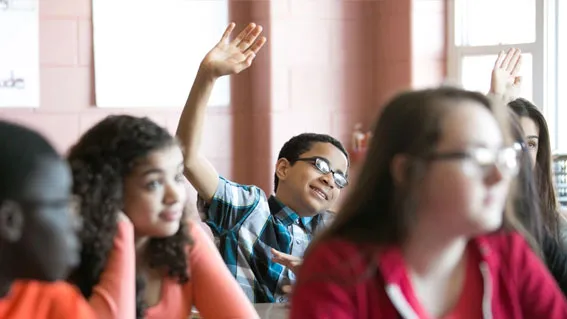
[21, 151]
[302, 143]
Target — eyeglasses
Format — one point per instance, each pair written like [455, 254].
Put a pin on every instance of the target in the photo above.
[528, 146]
[520, 146]
[323, 166]
[72, 204]
[506, 159]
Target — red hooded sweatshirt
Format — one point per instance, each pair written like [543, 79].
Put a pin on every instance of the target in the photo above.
[504, 280]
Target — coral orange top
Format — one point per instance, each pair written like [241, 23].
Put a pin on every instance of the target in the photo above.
[33, 299]
[211, 288]
[112, 298]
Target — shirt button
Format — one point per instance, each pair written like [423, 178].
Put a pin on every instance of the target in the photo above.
[282, 299]
[298, 241]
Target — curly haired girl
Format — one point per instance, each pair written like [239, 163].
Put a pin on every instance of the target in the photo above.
[131, 165]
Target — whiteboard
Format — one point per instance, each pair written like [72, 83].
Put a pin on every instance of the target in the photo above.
[19, 53]
[147, 53]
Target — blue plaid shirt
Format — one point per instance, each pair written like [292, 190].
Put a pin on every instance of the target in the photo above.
[247, 224]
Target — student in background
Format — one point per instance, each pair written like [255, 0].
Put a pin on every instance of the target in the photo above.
[310, 172]
[536, 204]
[527, 209]
[38, 240]
[538, 143]
[419, 237]
[506, 82]
[131, 165]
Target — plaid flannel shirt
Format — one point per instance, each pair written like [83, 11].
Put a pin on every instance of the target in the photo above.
[247, 225]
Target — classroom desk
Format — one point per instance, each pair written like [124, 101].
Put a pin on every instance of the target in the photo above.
[272, 310]
[265, 311]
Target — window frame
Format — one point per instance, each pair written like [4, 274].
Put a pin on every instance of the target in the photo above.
[557, 96]
[544, 54]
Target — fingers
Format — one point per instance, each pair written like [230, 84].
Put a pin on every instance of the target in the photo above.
[257, 45]
[287, 289]
[283, 262]
[517, 65]
[250, 38]
[227, 32]
[243, 34]
[514, 61]
[507, 58]
[285, 259]
[279, 257]
[510, 60]
[275, 252]
[499, 60]
[283, 256]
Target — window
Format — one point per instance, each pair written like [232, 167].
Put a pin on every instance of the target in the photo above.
[480, 29]
[490, 22]
[561, 76]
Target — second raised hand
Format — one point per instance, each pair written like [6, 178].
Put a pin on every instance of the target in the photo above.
[232, 57]
[505, 80]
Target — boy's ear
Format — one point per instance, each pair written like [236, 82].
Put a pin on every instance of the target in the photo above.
[11, 221]
[282, 168]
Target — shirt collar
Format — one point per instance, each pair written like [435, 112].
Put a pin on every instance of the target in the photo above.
[285, 214]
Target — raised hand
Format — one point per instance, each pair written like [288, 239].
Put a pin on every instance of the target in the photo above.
[505, 80]
[232, 57]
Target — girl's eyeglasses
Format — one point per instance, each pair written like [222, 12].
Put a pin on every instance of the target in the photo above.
[506, 159]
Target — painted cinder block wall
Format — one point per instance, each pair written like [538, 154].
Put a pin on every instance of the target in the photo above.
[328, 65]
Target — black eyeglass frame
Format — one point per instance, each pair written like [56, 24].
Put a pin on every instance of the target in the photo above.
[498, 157]
[317, 161]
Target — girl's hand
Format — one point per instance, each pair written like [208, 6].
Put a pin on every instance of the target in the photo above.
[505, 80]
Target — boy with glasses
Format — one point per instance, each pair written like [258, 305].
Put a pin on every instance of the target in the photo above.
[310, 172]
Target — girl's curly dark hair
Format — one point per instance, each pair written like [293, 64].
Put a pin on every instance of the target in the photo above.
[100, 161]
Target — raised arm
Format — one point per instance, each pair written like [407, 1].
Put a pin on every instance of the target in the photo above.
[227, 57]
[505, 81]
